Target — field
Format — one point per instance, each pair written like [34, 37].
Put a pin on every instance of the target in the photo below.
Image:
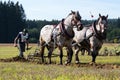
[106, 67]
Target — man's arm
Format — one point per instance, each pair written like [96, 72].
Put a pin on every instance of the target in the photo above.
[15, 40]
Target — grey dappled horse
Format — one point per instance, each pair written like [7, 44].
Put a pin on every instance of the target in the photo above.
[60, 36]
[90, 37]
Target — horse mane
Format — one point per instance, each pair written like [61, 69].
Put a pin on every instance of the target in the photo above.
[78, 17]
[102, 17]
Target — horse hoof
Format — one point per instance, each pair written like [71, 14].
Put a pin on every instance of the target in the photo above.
[60, 64]
[67, 63]
[77, 62]
[92, 63]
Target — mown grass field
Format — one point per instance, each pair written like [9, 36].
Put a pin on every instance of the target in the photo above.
[34, 71]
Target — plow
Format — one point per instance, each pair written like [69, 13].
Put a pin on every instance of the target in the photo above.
[36, 56]
[33, 56]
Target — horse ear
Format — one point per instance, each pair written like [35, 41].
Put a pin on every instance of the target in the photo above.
[107, 16]
[99, 15]
[72, 12]
[77, 12]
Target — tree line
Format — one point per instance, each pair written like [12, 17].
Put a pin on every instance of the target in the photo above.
[13, 19]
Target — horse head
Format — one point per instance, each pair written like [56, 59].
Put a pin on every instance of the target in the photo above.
[101, 26]
[75, 19]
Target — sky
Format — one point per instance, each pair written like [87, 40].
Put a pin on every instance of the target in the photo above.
[58, 9]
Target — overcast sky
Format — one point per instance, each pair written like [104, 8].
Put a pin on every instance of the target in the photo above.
[58, 9]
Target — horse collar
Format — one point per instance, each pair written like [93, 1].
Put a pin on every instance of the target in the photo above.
[62, 27]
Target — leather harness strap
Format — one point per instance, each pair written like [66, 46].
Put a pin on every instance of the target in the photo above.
[95, 31]
[62, 27]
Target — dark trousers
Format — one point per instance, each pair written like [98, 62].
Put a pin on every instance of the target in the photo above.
[21, 48]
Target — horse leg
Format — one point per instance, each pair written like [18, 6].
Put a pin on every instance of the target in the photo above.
[89, 52]
[93, 57]
[82, 51]
[76, 54]
[42, 53]
[61, 55]
[69, 54]
[50, 50]
[94, 53]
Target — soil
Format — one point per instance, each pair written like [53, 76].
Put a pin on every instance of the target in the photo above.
[14, 59]
[90, 65]
[99, 66]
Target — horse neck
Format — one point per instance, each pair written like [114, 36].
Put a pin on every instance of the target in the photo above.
[67, 23]
[68, 28]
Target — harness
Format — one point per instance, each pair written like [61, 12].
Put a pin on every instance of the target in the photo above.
[63, 32]
[94, 32]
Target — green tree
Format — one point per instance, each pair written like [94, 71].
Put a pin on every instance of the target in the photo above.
[118, 22]
[12, 20]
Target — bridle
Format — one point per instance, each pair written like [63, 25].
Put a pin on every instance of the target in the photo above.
[76, 19]
[99, 34]
[102, 22]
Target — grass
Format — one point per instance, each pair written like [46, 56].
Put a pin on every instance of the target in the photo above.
[27, 71]
[33, 71]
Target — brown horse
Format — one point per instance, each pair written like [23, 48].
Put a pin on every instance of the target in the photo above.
[60, 36]
[91, 37]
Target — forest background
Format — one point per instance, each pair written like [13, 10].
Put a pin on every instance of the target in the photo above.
[13, 20]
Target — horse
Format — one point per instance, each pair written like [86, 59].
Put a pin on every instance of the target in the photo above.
[90, 38]
[59, 36]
